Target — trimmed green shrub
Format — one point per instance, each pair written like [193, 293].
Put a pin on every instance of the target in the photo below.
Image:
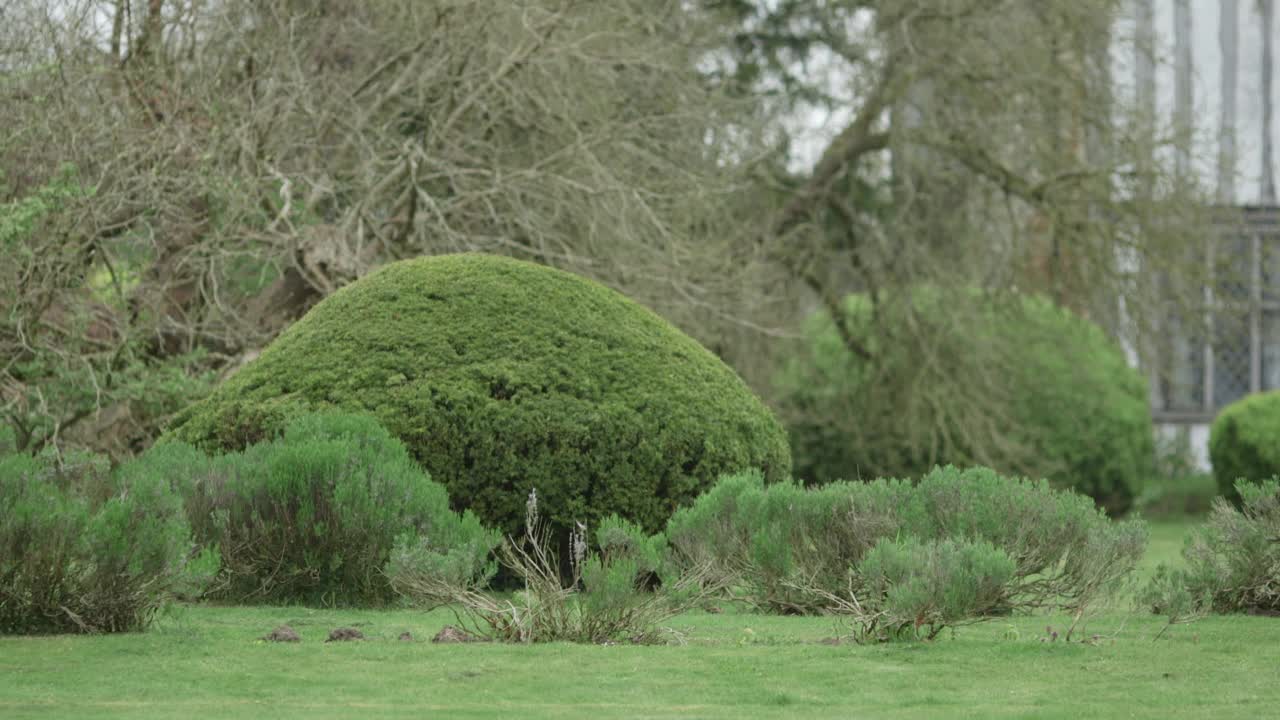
[503, 376]
[1060, 400]
[1243, 442]
[312, 516]
[790, 549]
[82, 550]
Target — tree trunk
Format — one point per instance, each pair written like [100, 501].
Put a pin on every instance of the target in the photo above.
[1182, 69]
[152, 32]
[117, 28]
[1228, 30]
[1144, 80]
[1268, 9]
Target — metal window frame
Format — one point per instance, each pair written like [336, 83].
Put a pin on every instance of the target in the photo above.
[1260, 224]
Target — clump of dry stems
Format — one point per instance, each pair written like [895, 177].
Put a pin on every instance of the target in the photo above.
[617, 590]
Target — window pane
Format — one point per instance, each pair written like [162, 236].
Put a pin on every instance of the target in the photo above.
[1270, 268]
[1231, 355]
[1183, 385]
[1270, 350]
[1232, 269]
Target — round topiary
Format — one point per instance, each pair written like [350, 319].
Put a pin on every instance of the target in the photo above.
[502, 376]
[1244, 442]
[1059, 399]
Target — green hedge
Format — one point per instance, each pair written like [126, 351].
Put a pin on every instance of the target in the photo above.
[1244, 442]
[791, 549]
[314, 515]
[85, 550]
[502, 376]
[1065, 404]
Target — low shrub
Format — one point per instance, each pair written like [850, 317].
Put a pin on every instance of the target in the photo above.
[1172, 593]
[191, 474]
[1242, 442]
[608, 597]
[1067, 552]
[917, 589]
[83, 550]
[795, 550]
[785, 548]
[312, 516]
[1232, 561]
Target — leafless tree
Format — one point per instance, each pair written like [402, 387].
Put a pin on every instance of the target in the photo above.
[984, 150]
[230, 162]
[182, 178]
[1267, 9]
[1228, 42]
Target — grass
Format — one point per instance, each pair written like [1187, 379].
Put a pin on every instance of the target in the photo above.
[1165, 543]
[206, 662]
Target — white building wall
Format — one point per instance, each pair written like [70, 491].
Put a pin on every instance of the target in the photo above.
[1207, 56]
[1194, 435]
[1206, 71]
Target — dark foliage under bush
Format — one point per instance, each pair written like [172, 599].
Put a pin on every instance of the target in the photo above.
[85, 550]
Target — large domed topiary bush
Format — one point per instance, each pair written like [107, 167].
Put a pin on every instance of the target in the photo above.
[1059, 400]
[1244, 442]
[502, 376]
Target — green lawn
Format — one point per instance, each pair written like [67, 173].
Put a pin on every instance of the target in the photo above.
[206, 662]
[1165, 544]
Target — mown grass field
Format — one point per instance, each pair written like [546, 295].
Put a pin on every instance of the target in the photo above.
[206, 662]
